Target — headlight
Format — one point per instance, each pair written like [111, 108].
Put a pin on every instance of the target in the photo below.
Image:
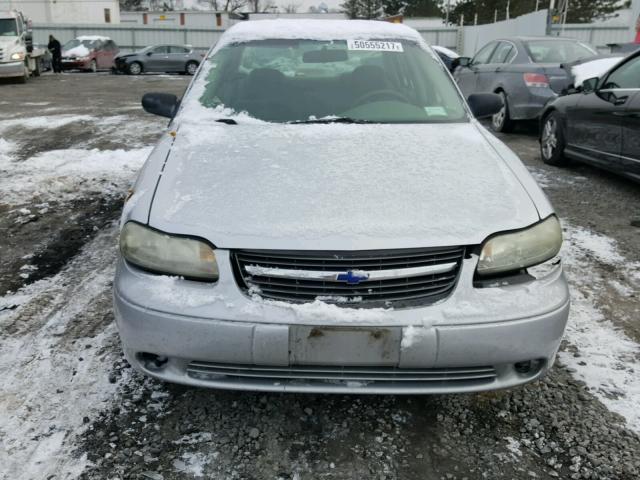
[168, 254]
[525, 248]
[17, 56]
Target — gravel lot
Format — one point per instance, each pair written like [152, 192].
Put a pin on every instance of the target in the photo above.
[70, 406]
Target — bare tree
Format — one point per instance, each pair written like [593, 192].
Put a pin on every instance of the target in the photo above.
[291, 7]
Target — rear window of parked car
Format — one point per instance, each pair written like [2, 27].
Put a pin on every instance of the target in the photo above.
[298, 80]
[557, 51]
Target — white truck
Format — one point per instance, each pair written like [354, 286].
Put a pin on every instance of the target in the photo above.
[18, 58]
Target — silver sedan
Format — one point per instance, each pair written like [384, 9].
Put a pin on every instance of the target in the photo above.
[159, 58]
[326, 214]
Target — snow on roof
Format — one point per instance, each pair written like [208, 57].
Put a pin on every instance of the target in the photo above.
[445, 50]
[595, 68]
[92, 38]
[317, 30]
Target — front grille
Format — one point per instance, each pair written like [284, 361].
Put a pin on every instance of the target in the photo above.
[364, 279]
[1, 55]
[346, 376]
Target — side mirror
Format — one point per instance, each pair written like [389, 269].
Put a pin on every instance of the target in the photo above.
[484, 104]
[464, 62]
[590, 85]
[28, 41]
[162, 104]
[149, 54]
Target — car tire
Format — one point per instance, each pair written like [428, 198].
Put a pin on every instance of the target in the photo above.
[134, 68]
[552, 141]
[501, 121]
[190, 68]
[39, 69]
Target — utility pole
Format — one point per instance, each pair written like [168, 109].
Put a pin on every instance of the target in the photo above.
[446, 20]
[508, 5]
[495, 16]
[537, 4]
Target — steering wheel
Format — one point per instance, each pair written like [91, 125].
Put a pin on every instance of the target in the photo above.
[367, 97]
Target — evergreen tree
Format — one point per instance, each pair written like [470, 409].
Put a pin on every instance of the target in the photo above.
[580, 11]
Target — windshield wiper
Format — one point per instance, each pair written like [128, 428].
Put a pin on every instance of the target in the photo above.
[228, 121]
[333, 120]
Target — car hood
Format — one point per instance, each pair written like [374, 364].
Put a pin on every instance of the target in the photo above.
[338, 187]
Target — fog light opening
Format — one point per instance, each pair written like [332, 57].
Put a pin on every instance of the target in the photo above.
[151, 361]
[523, 367]
[528, 367]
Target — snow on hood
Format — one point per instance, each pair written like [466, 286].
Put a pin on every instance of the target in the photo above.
[79, 51]
[316, 30]
[595, 68]
[338, 187]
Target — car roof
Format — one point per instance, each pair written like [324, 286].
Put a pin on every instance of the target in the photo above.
[317, 30]
[541, 37]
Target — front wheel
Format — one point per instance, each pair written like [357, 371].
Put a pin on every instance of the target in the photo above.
[501, 121]
[552, 141]
[135, 68]
[191, 68]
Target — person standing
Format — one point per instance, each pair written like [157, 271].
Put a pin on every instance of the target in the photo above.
[56, 54]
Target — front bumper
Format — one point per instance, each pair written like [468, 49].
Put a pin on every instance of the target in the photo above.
[477, 339]
[529, 105]
[11, 69]
[75, 64]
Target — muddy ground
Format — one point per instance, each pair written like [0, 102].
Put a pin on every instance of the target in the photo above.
[72, 407]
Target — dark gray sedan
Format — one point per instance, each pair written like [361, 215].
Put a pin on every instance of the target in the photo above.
[159, 58]
[526, 71]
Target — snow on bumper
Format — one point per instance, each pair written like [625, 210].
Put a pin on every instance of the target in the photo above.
[217, 327]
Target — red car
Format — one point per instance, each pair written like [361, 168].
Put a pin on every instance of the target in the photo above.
[90, 53]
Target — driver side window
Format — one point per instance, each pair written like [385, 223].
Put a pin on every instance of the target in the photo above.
[159, 50]
[626, 76]
[483, 55]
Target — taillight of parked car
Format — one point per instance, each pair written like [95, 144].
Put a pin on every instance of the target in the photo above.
[536, 80]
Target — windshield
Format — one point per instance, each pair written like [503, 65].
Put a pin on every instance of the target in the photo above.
[8, 27]
[309, 80]
[76, 43]
[558, 51]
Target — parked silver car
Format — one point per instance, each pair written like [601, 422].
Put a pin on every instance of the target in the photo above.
[526, 71]
[159, 58]
[325, 214]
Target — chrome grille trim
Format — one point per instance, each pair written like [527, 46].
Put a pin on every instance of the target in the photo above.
[211, 370]
[395, 278]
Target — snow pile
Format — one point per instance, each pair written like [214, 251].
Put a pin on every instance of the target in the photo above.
[47, 121]
[595, 68]
[65, 174]
[608, 360]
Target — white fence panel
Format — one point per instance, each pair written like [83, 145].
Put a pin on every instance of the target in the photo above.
[597, 35]
[443, 36]
[475, 37]
[130, 38]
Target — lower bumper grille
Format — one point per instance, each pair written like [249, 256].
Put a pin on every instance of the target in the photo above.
[349, 376]
[364, 279]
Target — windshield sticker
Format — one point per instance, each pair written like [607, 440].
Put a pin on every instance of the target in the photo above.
[374, 46]
[436, 111]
